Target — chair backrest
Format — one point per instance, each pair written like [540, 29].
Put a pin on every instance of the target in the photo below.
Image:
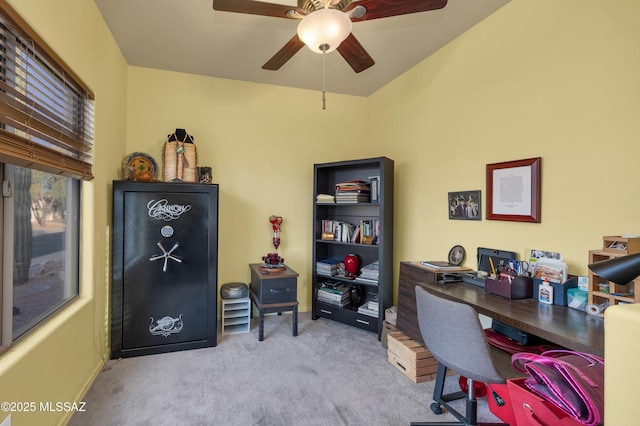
[453, 334]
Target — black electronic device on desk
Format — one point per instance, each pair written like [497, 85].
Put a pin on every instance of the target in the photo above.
[486, 257]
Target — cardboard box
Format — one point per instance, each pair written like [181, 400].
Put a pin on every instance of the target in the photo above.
[411, 358]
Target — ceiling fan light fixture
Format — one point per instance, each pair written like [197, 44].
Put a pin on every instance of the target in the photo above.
[323, 30]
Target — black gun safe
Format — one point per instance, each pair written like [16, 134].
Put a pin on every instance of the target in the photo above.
[164, 267]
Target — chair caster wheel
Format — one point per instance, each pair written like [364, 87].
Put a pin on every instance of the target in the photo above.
[436, 408]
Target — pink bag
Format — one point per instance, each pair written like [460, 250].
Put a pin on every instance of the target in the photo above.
[571, 380]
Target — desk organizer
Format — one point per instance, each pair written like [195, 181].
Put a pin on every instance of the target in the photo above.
[559, 289]
[521, 287]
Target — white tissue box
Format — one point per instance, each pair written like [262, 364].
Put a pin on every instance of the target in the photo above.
[577, 299]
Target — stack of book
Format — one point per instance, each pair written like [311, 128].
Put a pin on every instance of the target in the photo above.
[352, 192]
[330, 266]
[370, 272]
[370, 308]
[333, 293]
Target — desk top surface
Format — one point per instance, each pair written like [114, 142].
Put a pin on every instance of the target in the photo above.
[564, 326]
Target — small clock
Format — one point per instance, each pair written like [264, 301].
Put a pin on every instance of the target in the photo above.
[456, 255]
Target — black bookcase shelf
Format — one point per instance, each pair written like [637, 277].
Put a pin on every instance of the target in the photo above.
[326, 176]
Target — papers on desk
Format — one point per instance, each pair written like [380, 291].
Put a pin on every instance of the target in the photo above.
[547, 264]
[438, 265]
[554, 270]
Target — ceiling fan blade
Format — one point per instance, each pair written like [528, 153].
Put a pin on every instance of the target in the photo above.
[252, 7]
[384, 8]
[355, 55]
[284, 54]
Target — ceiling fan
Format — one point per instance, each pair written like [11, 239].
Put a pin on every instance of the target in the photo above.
[349, 10]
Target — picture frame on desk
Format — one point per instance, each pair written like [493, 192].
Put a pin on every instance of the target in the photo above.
[465, 205]
[513, 190]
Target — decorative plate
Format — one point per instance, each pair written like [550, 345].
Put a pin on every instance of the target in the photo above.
[141, 162]
[456, 255]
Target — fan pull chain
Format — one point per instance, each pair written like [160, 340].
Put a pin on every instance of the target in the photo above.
[324, 71]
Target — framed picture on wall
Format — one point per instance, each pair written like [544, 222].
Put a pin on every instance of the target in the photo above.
[513, 190]
[465, 205]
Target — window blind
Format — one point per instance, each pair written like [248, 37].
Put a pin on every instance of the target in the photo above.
[46, 111]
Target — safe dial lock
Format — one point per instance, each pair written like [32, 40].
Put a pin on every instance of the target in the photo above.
[166, 255]
[166, 231]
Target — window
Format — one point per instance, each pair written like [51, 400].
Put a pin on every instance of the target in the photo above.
[46, 148]
[40, 244]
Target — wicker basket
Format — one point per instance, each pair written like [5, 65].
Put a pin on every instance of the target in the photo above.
[180, 159]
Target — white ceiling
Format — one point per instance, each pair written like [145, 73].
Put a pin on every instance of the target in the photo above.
[189, 36]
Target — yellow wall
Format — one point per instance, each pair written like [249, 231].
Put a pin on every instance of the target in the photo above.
[261, 142]
[59, 360]
[557, 80]
[551, 79]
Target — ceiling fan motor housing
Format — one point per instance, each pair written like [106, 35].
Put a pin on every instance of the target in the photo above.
[323, 30]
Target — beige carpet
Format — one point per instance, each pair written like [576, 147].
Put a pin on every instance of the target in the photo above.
[330, 374]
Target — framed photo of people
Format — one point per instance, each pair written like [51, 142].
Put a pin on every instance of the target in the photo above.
[465, 205]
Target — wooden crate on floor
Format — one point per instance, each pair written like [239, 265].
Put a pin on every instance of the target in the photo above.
[411, 358]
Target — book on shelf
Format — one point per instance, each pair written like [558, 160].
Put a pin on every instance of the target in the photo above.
[370, 306]
[374, 183]
[370, 274]
[338, 303]
[353, 192]
[329, 266]
[373, 304]
[325, 198]
[369, 231]
[334, 287]
[337, 230]
[333, 296]
[366, 311]
[353, 185]
[370, 281]
[352, 199]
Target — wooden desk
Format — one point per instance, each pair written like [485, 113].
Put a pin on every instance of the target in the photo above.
[566, 327]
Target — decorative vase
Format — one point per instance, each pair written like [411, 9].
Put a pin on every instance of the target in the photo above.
[351, 264]
[356, 296]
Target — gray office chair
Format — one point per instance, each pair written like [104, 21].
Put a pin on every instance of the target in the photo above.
[453, 334]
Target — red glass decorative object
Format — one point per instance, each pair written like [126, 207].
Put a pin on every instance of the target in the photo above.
[272, 259]
[276, 222]
[351, 264]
